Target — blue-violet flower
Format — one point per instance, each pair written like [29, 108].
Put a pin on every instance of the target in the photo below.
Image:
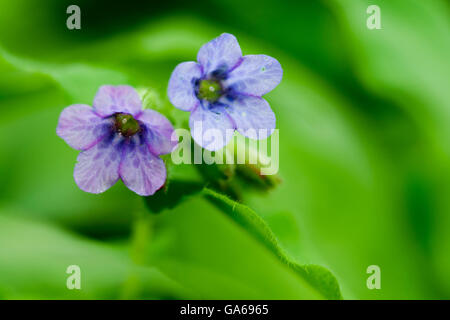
[223, 92]
[117, 139]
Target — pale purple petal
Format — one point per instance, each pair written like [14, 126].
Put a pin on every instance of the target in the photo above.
[221, 53]
[140, 170]
[253, 116]
[81, 128]
[158, 132]
[256, 75]
[211, 128]
[181, 89]
[112, 99]
[97, 168]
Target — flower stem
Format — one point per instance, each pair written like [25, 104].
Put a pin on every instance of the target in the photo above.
[139, 242]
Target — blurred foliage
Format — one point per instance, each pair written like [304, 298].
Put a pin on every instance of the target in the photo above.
[364, 154]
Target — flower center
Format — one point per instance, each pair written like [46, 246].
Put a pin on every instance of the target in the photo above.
[210, 90]
[126, 124]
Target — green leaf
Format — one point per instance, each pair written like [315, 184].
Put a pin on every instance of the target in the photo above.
[319, 277]
[171, 194]
[205, 251]
[176, 191]
[34, 265]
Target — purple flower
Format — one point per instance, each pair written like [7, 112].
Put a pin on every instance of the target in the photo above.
[117, 139]
[223, 92]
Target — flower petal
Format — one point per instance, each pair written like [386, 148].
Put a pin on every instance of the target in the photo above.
[181, 89]
[158, 132]
[97, 168]
[112, 99]
[211, 127]
[221, 53]
[253, 116]
[140, 170]
[256, 75]
[81, 128]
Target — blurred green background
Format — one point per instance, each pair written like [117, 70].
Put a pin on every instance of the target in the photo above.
[364, 120]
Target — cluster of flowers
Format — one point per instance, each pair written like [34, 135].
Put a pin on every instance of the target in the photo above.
[119, 139]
